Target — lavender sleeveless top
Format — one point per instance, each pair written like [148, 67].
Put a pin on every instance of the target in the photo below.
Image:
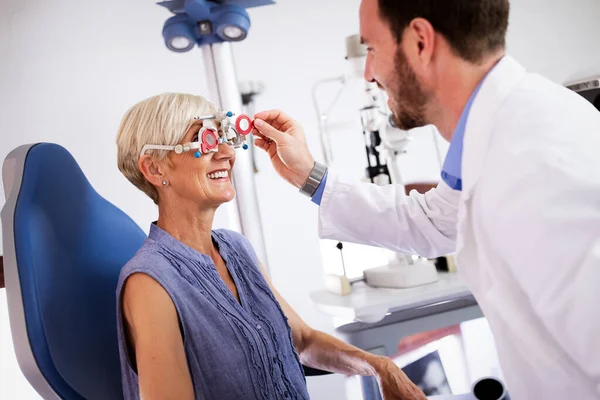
[235, 350]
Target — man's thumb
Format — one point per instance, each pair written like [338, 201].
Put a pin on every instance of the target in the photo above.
[268, 131]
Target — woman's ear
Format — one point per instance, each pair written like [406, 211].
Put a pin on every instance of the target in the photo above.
[151, 170]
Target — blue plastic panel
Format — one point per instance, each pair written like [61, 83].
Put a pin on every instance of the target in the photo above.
[177, 6]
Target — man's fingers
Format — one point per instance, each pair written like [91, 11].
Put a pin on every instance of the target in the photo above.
[268, 115]
[276, 118]
[261, 144]
[269, 132]
[269, 147]
[256, 133]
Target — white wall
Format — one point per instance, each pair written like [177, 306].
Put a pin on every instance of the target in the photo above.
[69, 69]
[556, 38]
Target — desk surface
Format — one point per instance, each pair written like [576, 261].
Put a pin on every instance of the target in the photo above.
[367, 304]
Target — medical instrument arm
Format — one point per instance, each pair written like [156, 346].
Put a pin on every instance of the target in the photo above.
[383, 216]
[153, 327]
[325, 352]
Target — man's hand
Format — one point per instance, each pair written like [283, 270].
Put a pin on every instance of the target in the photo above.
[283, 139]
[394, 383]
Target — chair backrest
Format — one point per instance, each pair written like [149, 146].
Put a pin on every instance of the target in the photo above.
[64, 246]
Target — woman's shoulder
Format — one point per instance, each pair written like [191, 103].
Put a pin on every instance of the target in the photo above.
[148, 259]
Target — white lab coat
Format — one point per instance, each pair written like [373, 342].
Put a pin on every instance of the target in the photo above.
[525, 228]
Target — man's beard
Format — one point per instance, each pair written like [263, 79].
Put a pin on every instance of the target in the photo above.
[408, 98]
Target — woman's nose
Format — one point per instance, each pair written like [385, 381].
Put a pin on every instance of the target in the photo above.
[225, 152]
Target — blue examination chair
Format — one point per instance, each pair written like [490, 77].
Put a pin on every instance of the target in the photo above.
[64, 246]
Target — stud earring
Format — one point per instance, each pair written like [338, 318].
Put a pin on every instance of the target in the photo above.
[164, 182]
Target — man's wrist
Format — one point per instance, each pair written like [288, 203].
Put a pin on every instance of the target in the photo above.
[314, 179]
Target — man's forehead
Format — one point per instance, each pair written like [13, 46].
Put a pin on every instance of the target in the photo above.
[369, 17]
[369, 9]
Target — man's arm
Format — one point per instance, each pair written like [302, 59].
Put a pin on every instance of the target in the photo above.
[322, 351]
[361, 212]
[155, 335]
[383, 216]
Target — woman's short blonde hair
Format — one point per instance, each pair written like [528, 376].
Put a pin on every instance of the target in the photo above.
[163, 119]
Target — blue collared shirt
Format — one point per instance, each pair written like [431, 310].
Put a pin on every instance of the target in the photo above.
[452, 169]
[319, 192]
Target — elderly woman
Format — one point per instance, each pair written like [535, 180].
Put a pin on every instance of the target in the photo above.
[198, 318]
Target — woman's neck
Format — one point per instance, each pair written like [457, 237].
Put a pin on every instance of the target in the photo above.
[190, 225]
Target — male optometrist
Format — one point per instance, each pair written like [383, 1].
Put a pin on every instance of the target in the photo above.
[519, 198]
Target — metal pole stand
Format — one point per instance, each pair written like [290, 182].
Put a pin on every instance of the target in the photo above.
[224, 92]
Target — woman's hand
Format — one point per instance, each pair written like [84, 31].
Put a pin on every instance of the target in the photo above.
[394, 383]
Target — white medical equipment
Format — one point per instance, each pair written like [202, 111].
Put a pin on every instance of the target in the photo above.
[383, 144]
[221, 76]
[216, 129]
[213, 26]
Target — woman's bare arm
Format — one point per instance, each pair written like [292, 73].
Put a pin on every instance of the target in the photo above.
[153, 326]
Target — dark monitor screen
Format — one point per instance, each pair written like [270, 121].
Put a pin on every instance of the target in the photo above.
[590, 90]
[593, 96]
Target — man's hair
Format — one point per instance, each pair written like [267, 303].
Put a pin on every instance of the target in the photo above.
[474, 28]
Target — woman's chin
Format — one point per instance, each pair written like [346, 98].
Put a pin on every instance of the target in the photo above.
[217, 193]
[224, 196]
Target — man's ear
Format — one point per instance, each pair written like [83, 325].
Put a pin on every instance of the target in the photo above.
[419, 42]
[151, 169]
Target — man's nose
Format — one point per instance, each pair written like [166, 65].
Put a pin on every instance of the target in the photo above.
[368, 73]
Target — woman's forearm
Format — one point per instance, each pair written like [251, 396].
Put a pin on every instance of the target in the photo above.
[322, 351]
[325, 352]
